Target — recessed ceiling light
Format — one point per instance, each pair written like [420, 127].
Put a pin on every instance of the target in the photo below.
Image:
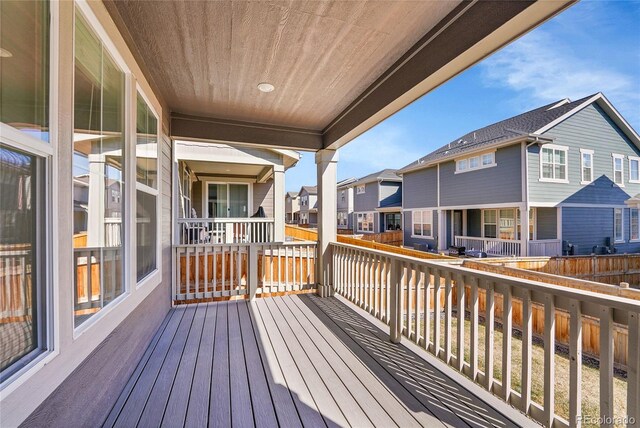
[5, 53]
[265, 87]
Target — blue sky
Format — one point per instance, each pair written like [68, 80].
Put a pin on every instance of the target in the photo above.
[592, 47]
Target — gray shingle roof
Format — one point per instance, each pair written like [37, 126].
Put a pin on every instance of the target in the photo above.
[385, 174]
[292, 195]
[311, 190]
[522, 124]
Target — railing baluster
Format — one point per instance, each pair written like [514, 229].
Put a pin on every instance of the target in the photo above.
[437, 309]
[286, 268]
[575, 364]
[507, 324]
[527, 335]
[187, 270]
[197, 277]
[447, 318]
[606, 366]
[460, 288]
[426, 329]
[395, 286]
[473, 346]
[408, 300]
[489, 336]
[549, 359]
[633, 370]
[223, 266]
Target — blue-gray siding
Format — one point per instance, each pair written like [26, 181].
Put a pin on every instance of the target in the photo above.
[390, 193]
[586, 227]
[408, 230]
[420, 188]
[590, 128]
[367, 201]
[546, 223]
[499, 184]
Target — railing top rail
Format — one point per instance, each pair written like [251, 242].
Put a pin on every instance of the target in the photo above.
[247, 244]
[478, 238]
[552, 289]
[227, 220]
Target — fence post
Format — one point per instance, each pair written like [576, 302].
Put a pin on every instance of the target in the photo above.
[253, 271]
[395, 303]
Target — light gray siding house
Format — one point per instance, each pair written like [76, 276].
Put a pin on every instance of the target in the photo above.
[308, 206]
[572, 166]
[377, 202]
[345, 204]
[292, 207]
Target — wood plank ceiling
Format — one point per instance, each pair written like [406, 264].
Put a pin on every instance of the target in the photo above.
[326, 60]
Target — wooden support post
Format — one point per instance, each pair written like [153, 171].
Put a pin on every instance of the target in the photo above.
[327, 164]
[460, 288]
[633, 371]
[489, 337]
[473, 349]
[507, 324]
[575, 365]
[606, 366]
[252, 264]
[527, 334]
[549, 359]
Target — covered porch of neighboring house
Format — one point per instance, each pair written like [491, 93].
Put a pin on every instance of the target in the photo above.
[498, 231]
[390, 217]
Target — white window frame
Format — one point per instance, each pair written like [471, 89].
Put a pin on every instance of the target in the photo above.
[621, 238]
[464, 164]
[360, 190]
[634, 159]
[631, 231]
[154, 277]
[496, 223]
[614, 157]
[205, 196]
[421, 213]
[364, 214]
[555, 147]
[590, 153]
[343, 219]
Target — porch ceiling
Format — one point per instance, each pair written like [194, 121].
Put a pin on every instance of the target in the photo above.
[338, 67]
[205, 170]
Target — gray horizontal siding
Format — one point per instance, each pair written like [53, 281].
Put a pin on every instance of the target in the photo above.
[390, 193]
[499, 184]
[367, 201]
[420, 188]
[263, 197]
[591, 129]
[345, 199]
[586, 227]
[546, 223]
[408, 230]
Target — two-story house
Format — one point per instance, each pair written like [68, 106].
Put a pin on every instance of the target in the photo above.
[570, 165]
[308, 205]
[345, 204]
[377, 202]
[292, 207]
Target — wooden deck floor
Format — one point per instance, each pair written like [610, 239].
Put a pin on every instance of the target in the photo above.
[289, 361]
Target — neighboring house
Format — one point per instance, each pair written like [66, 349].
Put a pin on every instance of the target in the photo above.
[308, 206]
[377, 202]
[292, 207]
[345, 204]
[570, 165]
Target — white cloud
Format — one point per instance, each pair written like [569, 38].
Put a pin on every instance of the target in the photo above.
[541, 68]
[385, 146]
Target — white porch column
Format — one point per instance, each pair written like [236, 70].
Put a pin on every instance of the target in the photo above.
[524, 230]
[442, 229]
[95, 216]
[327, 166]
[278, 203]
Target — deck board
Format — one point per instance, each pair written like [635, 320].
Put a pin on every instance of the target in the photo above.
[288, 361]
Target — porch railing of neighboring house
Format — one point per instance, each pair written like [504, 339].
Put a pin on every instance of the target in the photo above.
[545, 247]
[225, 230]
[206, 270]
[420, 300]
[15, 283]
[96, 279]
[491, 246]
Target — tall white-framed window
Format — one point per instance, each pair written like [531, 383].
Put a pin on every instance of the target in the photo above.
[343, 219]
[586, 166]
[422, 224]
[532, 223]
[634, 169]
[228, 200]
[360, 189]
[553, 163]
[489, 223]
[365, 222]
[634, 224]
[618, 169]
[27, 152]
[147, 189]
[618, 224]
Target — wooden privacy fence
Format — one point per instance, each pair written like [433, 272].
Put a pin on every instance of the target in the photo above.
[213, 271]
[401, 291]
[394, 238]
[309, 235]
[609, 269]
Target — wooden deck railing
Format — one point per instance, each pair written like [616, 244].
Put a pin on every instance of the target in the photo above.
[545, 247]
[210, 271]
[491, 246]
[416, 299]
[224, 230]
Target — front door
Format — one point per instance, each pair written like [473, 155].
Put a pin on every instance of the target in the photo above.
[228, 200]
[457, 225]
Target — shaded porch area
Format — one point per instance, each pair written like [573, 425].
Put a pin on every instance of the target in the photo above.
[289, 361]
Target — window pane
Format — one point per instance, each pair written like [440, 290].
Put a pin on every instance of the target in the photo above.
[507, 224]
[487, 159]
[634, 170]
[547, 155]
[618, 177]
[146, 145]
[547, 170]
[146, 234]
[426, 228]
[490, 216]
[560, 172]
[19, 310]
[634, 224]
[98, 190]
[474, 162]
[617, 224]
[24, 74]
[490, 230]
[560, 157]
